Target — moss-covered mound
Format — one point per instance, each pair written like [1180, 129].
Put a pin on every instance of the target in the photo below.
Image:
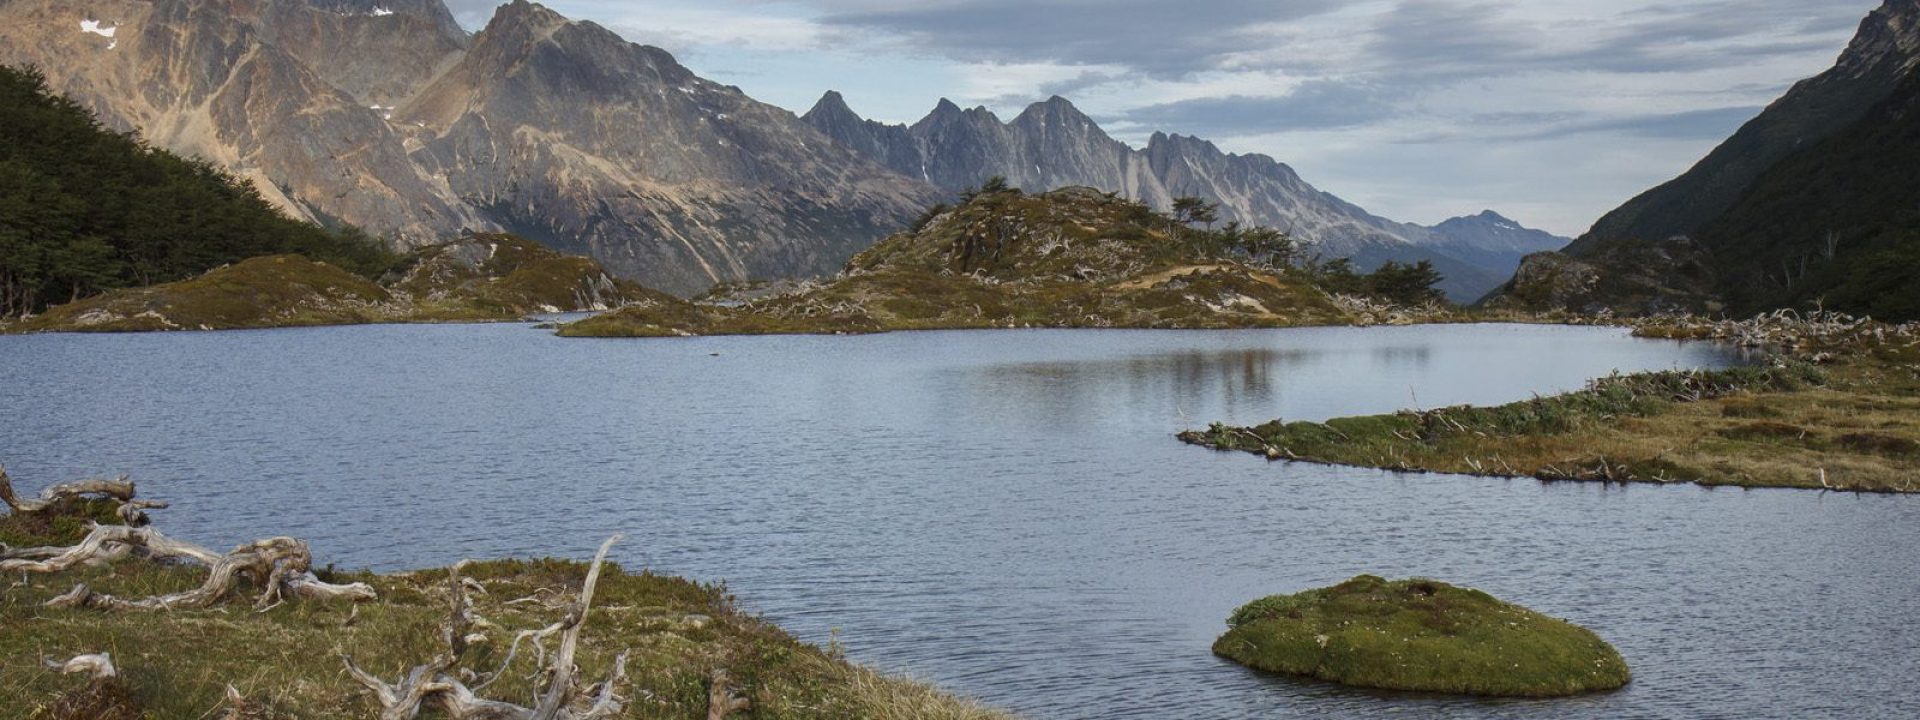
[1420, 635]
[1073, 257]
[272, 291]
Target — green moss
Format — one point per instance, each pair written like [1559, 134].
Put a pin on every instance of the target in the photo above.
[1420, 635]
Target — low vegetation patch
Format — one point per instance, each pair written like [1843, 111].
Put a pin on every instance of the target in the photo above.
[488, 277]
[1422, 635]
[689, 651]
[1834, 408]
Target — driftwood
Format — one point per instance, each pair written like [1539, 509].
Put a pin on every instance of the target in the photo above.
[98, 666]
[282, 566]
[118, 489]
[430, 685]
[104, 543]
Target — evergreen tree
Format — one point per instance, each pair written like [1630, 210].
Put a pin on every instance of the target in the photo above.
[84, 209]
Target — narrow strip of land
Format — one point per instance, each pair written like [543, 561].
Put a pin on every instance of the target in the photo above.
[1837, 406]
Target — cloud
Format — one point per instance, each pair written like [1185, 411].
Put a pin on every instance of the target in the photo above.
[1150, 36]
[1708, 124]
[1314, 105]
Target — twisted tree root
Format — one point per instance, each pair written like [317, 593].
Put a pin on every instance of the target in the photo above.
[103, 542]
[281, 565]
[429, 685]
[119, 489]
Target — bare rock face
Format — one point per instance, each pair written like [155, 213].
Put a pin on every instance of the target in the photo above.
[377, 51]
[564, 132]
[385, 114]
[199, 77]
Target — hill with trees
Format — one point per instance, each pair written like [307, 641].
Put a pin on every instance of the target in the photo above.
[85, 210]
[1813, 204]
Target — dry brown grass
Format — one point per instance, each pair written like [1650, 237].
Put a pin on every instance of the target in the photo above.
[1857, 430]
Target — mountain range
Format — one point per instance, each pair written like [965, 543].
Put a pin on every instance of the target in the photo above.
[387, 115]
[1814, 203]
[1052, 144]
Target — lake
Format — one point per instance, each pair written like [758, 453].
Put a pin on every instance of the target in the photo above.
[1004, 513]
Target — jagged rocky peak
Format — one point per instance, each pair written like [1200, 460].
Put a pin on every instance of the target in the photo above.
[1889, 35]
[833, 116]
[832, 105]
[1054, 112]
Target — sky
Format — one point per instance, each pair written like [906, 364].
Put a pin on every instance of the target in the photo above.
[1551, 112]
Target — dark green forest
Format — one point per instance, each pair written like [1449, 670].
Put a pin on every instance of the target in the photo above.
[84, 209]
[1835, 224]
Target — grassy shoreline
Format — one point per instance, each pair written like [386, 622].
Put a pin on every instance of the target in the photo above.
[286, 662]
[1836, 408]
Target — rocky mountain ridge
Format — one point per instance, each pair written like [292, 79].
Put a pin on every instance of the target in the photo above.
[387, 115]
[1052, 144]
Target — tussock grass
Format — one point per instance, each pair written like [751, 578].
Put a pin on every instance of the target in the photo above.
[286, 662]
[1421, 635]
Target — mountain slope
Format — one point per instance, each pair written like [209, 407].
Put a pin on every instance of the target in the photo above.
[1811, 204]
[201, 78]
[1493, 241]
[1884, 51]
[564, 132]
[1836, 224]
[388, 116]
[85, 210]
[1052, 144]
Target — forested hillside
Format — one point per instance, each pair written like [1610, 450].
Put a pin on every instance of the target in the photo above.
[1836, 224]
[84, 209]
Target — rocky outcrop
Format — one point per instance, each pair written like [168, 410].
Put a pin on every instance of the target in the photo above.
[477, 278]
[1073, 257]
[1627, 277]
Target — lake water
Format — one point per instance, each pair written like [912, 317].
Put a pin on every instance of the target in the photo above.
[1006, 514]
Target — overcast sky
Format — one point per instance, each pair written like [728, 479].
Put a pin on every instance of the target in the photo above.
[1550, 111]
